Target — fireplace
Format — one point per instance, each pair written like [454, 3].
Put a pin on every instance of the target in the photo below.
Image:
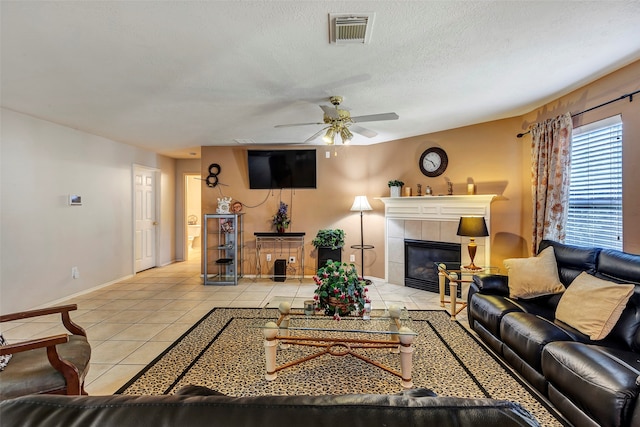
[430, 218]
[420, 256]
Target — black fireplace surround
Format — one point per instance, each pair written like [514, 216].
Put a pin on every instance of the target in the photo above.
[420, 271]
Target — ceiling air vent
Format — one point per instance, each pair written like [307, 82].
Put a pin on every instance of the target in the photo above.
[350, 27]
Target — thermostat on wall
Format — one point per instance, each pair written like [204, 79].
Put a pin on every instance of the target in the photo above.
[74, 199]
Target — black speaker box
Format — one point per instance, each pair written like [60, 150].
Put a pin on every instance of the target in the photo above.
[326, 254]
[280, 270]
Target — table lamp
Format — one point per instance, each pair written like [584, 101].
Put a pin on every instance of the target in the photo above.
[472, 227]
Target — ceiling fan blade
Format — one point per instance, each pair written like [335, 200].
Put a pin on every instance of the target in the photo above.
[330, 111]
[315, 135]
[298, 124]
[363, 131]
[375, 117]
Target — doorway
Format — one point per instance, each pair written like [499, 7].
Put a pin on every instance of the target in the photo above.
[145, 201]
[193, 216]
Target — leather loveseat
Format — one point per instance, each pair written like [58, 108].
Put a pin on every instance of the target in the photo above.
[591, 382]
[197, 406]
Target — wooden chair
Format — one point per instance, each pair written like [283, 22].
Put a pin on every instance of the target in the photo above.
[55, 364]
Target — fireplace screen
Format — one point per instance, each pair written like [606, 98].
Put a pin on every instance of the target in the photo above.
[420, 271]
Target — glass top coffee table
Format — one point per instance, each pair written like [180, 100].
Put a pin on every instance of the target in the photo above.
[387, 329]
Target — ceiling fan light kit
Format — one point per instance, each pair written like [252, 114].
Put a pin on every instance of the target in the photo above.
[346, 135]
[339, 120]
[329, 136]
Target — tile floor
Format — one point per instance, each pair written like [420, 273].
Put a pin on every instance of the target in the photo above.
[131, 322]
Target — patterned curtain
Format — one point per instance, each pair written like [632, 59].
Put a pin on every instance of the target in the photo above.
[550, 174]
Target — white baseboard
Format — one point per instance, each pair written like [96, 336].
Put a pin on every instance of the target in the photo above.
[86, 291]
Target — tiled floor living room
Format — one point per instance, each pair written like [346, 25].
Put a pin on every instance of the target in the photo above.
[131, 322]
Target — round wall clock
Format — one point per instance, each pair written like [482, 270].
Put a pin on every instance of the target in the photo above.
[433, 161]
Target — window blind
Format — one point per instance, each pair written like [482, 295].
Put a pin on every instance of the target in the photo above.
[595, 195]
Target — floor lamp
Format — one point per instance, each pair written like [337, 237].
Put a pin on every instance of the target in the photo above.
[361, 204]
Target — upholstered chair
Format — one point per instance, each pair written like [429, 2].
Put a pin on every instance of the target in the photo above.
[54, 364]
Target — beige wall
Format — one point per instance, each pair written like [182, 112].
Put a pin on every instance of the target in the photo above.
[488, 154]
[623, 81]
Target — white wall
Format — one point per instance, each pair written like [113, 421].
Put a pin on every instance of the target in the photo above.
[42, 237]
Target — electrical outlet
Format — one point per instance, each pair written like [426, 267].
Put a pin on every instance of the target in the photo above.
[292, 260]
[75, 273]
[268, 257]
[352, 258]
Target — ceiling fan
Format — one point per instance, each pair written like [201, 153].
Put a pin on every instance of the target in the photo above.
[340, 122]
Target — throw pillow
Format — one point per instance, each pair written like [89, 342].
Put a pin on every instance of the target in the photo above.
[593, 306]
[4, 359]
[535, 276]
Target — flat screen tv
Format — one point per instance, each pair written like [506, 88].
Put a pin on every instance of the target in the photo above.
[282, 169]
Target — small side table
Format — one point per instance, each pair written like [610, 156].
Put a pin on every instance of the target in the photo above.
[362, 248]
[289, 240]
[456, 277]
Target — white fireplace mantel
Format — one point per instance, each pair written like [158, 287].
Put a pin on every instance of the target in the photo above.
[431, 218]
[437, 208]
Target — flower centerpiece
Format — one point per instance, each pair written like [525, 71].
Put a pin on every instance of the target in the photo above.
[281, 218]
[340, 290]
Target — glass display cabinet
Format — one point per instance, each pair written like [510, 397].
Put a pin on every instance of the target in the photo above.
[223, 248]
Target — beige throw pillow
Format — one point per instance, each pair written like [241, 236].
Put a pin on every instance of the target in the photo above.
[593, 306]
[534, 277]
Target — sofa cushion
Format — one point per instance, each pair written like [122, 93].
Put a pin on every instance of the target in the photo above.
[488, 310]
[572, 260]
[527, 335]
[593, 306]
[621, 267]
[535, 276]
[597, 383]
[31, 372]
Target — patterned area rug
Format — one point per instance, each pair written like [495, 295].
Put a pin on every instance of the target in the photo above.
[224, 351]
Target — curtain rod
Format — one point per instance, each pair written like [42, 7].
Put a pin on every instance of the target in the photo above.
[628, 95]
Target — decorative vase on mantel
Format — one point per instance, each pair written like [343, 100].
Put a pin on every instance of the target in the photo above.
[395, 190]
[395, 187]
[280, 229]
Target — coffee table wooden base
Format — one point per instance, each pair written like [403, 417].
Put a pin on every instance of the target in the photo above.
[400, 342]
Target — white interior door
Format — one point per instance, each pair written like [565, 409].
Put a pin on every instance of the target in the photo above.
[145, 218]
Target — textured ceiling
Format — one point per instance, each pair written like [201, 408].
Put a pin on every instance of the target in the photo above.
[172, 76]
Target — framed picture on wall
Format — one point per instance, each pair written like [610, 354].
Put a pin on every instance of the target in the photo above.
[75, 199]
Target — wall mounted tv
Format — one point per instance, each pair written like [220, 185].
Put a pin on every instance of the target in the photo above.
[281, 169]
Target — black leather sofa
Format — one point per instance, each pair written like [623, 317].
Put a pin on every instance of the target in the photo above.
[197, 406]
[592, 383]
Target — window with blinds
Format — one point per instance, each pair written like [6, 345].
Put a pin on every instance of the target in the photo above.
[595, 196]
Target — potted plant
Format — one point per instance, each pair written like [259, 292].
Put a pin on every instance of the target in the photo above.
[329, 243]
[341, 291]
[395, 187]
[281, 219]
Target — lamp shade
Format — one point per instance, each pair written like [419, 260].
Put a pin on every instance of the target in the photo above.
[361, 204]
[346, 135]
[472, 226]
[329, 136]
